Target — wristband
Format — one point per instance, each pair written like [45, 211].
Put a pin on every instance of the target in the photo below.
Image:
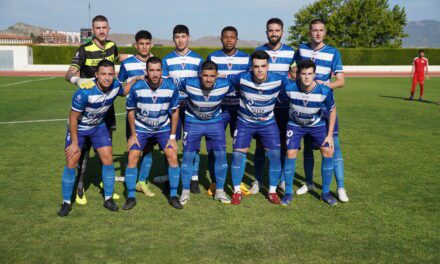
[74, 79]
[173, 136]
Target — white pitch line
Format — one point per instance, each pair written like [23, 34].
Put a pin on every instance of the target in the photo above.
[16, 83]
[40, 121]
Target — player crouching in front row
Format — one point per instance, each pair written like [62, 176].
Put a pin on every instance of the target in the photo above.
[307, 100]
[86, 120]
[149, 105]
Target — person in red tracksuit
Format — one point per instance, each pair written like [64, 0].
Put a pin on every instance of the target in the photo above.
[418, 73]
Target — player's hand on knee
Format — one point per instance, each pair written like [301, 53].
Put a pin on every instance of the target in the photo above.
[71, 151]
[172, 144]
[328, 142]
[133, 140]
[85, 83]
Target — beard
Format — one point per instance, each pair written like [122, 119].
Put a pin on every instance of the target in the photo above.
[273, 41]
[153, 85]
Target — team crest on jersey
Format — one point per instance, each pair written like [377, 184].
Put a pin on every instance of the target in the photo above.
[260, 91]
[229, 66]
[274, 59]
[305, 102]
[183, 66]
[206, 97]
[154, 98]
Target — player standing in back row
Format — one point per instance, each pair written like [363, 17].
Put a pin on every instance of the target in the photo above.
[179, 64]
[328, 61]
[280, 61]
[80, 73]
[229, 60]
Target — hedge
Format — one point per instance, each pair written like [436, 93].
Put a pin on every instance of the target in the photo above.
[360, 56]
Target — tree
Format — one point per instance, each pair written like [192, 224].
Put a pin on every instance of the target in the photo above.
[33, 38]
[352, 23]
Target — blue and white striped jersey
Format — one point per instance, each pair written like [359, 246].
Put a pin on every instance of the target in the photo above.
[227, 65]
[153, 107]
[131, 67]
[179, 67]
[327, 60]
[279, 62]
[307, 109]
[280, 59]
[93, 104]
[204, 106]
[257, 100]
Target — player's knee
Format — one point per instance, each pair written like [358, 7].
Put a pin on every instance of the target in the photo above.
[72, 162]
[292, 153]
[171, 158]
[326, 152]
[106, 158]
[133, 158]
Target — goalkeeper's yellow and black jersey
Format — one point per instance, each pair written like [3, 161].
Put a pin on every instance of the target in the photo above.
[88, 56]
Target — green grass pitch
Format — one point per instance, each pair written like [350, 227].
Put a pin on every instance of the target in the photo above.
[391, 154]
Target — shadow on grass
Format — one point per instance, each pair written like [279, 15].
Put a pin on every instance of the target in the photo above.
[407, 99]
[159, 168]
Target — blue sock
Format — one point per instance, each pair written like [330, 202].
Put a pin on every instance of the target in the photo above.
[259, 160]
[187, 168]
[211, 166]
[283, 158]
[108, 179]
[289, 174]
[130, 181]
[221, 168]
[309, 161]
[338, 164]
[196, 165]
[237, 167]
[274, 166]
[173, 175]
[67, 182]
[145, 167]
[327, 174]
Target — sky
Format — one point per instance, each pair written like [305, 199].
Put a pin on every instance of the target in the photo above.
[203, 17]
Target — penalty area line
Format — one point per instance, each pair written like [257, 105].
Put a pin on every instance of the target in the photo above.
[40, 121]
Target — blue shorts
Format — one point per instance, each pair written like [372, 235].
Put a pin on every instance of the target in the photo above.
[213, 132]
[268, 134]
[296, 133]
[99, 136]
[282, 118]
[229, 116]
[143, 137]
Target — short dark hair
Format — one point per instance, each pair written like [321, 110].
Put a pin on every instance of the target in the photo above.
[260, 55]
[229, 28]
[99, 18]
[209, 65]
[153, 60]
[105, 63]
[142, 34]
[421, 50]
[274, 20]
[316, 21]
[178, 29]
[305, 64]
